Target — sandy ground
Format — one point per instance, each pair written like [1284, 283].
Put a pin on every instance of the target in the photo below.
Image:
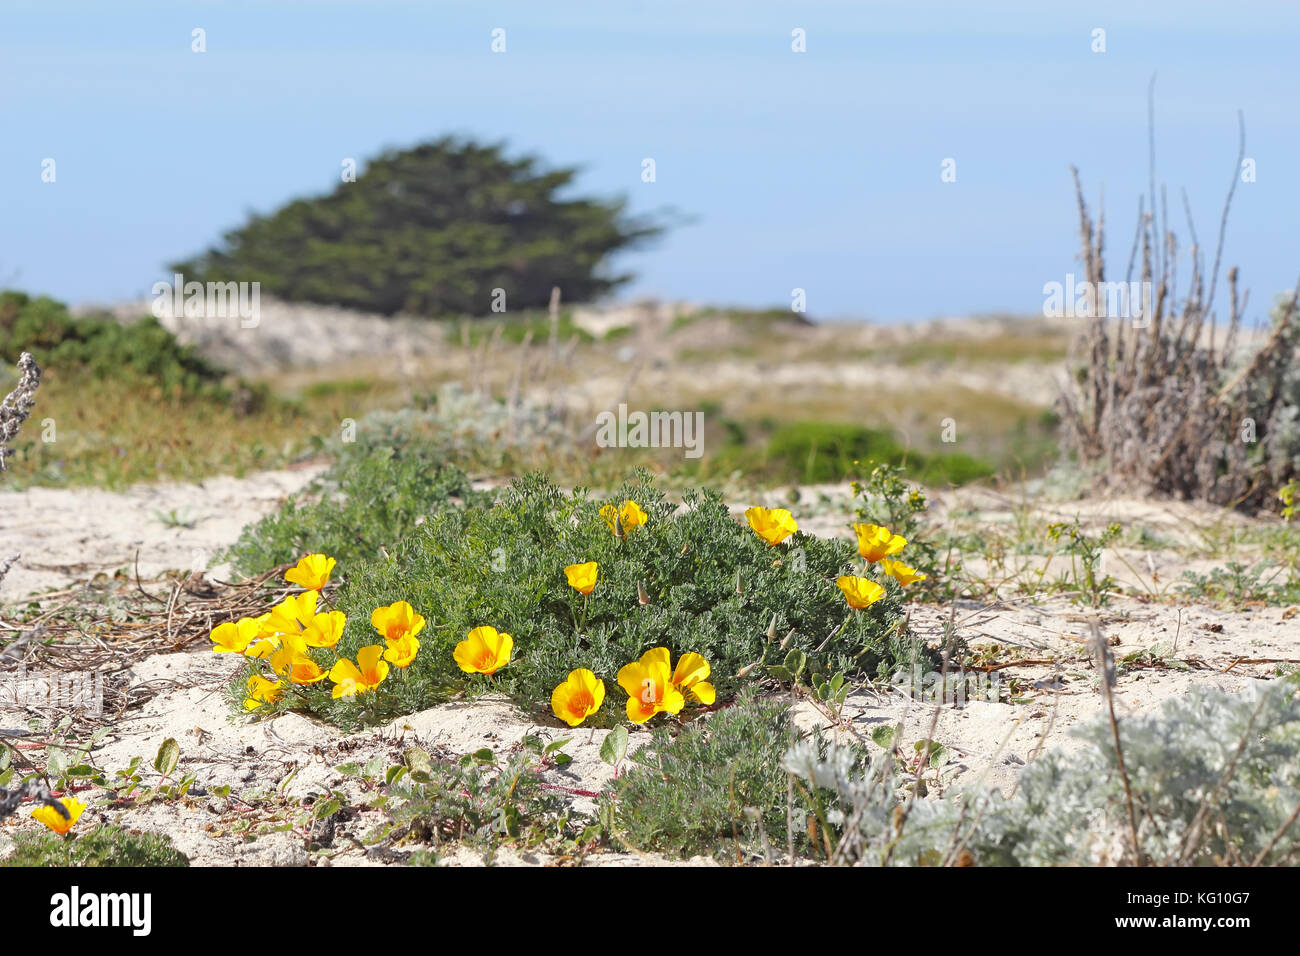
[1038, 700]
[70, 535]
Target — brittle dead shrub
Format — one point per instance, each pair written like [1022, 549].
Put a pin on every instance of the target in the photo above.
[1167, 405]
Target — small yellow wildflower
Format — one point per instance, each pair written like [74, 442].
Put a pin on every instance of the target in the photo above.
[325, 629]
[312, 572]
[649, 687]
[860, 592]
[262, 691]
[396, 621]
[773, 525]
[483, 651]
[623, 519]
[402, 651]
[691, 676]
[900, 572]
[291, 616]
[55, 820]
[233, 637]
[359, 678]
[291, 661]
[578, 697]
[876, 541]
[582, 577]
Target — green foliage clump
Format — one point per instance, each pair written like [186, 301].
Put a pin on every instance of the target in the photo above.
[1085, 551]
[103, 846]
[1236, 583]
[481, 799]
[826, 452]
[101, 346]
[718, 781]
[710, 586]
[432, 230]
[389, 493]
[400, 468]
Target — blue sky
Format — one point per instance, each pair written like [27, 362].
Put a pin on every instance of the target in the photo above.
[818, 170]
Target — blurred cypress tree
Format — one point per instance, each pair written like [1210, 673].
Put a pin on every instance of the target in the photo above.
[432, 231]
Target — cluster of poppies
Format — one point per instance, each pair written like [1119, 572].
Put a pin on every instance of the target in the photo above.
[876, 544]
[286, 636]
[652, 684]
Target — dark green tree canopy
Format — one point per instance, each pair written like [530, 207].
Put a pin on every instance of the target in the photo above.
[432, 230]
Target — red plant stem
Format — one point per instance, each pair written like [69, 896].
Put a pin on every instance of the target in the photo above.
[571, 791]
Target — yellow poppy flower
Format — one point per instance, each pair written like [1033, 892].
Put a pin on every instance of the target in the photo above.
[55, 820]
[773, 525]
[483, 651]
[900, 572]
[312, 572]
[876, 541]
[325, 629]
[402, 651]
[262, 691]
[629, 516]
[649, 687]
[291, 616]
[261, 650]
[691, 676]
[860, 592]
[367, 674]
[233, 637]
[396, 621]
[578, 697]
[291, 661]
[582, 577]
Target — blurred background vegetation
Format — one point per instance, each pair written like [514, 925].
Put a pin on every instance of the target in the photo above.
[429, 233]
[432, 231]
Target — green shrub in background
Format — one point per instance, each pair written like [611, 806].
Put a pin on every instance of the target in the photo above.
[828, 452]
[710, 586]
[101, 346]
